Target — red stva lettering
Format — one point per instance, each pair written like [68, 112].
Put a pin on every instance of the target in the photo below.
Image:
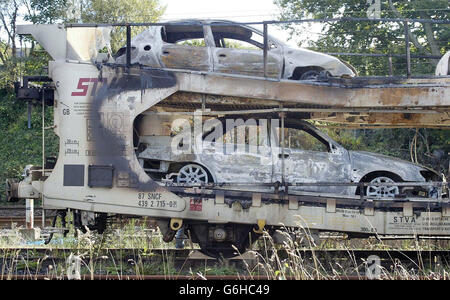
[83, 85]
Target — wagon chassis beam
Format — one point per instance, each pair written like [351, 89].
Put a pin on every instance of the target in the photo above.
[282, 193]
[246, 200]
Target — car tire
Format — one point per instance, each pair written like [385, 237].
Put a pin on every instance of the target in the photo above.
[192, 174]
[310, 75]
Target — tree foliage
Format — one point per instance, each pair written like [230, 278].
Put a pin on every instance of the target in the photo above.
[121, 11]
[373, 37]
[97, 11]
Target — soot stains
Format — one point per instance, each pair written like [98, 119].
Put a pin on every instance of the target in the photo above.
[109, 129]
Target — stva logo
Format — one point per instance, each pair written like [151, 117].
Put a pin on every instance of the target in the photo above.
[83, 86]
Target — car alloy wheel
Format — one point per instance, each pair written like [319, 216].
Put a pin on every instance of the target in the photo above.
[382, 191]
[192, 174]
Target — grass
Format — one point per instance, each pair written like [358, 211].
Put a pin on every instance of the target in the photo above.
[96, 257]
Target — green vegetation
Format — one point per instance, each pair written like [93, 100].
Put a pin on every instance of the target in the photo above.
[372, 37]
[417, 145]
[126, 250]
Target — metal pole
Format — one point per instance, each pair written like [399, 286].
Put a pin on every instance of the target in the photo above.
[43, 154]
[29, 114]
[390, 65]
[282, 146]
[29, 213]
[266, 48]
[43, 131]
[408, 50]
[128, 45]
[42, 212]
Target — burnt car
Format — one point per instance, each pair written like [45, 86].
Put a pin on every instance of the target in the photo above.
[310, 156]
[228, 47]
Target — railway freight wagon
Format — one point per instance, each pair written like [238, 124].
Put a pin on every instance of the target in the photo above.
[120, 152]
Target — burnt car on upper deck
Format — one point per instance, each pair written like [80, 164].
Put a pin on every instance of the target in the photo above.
[228, 47]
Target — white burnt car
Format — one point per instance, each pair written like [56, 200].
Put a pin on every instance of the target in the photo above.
[310, 156]
[227, 47]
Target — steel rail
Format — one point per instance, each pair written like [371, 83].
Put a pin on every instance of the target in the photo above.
[185, 253]
[279, 110]
[270, 22]
[382, 55]
[278, 184]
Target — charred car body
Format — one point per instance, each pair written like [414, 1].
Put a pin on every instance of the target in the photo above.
[228, 47]
[243, 154]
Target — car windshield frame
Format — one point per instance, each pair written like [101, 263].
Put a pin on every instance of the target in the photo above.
[271, 39]
[315, 132]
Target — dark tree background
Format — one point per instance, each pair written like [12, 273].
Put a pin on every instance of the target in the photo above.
[373, 37]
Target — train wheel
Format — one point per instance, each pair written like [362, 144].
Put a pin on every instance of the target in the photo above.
[223, 241]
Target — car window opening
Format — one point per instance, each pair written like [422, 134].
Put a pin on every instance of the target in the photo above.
[301, 139]
[184, 35]
[237, 37]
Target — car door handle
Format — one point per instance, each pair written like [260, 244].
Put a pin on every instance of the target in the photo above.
[166, 52]
[285, 155]
[222, 55]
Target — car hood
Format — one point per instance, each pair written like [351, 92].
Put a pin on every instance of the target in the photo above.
[366, 162]
[300, 57]
[380, 156]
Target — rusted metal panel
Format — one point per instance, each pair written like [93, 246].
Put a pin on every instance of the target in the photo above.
[440, 118]
[185, 57]
[246, 62]
[430, 93]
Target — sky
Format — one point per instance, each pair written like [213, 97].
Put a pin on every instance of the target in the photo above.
[237, 10]
[234, 10]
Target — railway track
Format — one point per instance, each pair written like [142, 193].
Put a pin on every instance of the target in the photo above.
[252, 265]
[16, 214]
[195, 254]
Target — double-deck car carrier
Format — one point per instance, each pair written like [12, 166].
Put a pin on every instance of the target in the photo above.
[104, 111]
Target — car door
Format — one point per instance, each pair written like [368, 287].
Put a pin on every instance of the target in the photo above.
[239, 50]
[237, 160]
[184, 47]
[309, 158]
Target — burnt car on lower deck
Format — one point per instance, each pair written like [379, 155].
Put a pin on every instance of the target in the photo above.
[265, 154]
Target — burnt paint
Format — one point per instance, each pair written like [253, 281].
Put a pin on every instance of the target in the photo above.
[109, 144]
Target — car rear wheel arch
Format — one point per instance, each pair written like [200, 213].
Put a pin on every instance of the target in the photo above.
[299, 71]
